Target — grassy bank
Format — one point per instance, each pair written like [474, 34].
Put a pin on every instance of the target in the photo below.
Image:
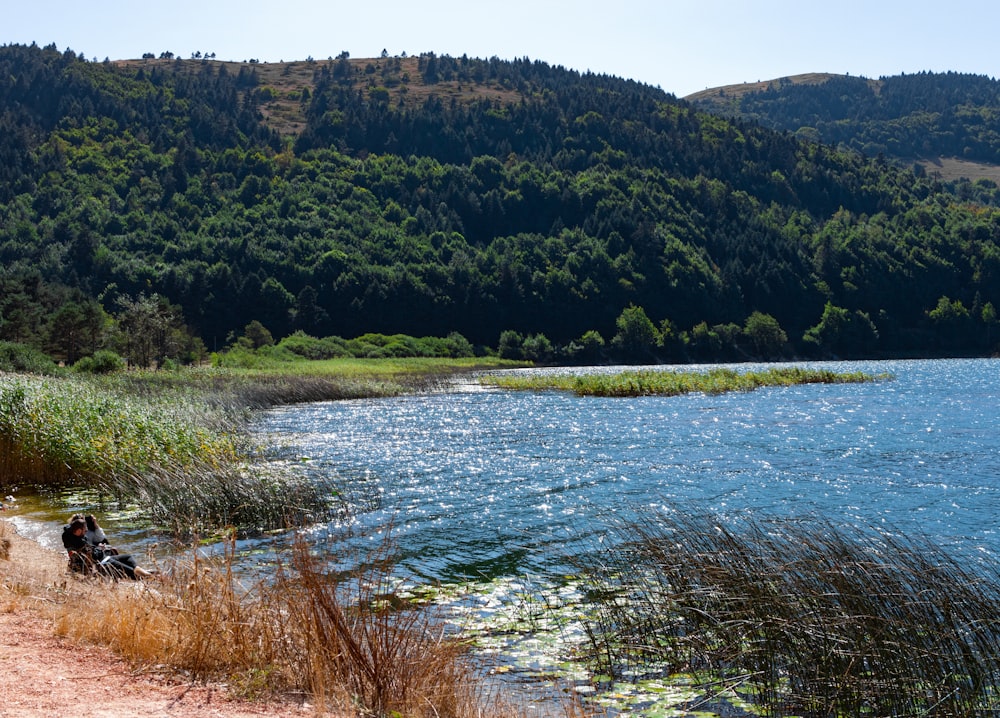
[671, 383]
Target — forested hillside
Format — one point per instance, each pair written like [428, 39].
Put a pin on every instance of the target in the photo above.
[912, 117]
[431, 195]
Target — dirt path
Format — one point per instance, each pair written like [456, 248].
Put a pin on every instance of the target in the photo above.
[44, 675]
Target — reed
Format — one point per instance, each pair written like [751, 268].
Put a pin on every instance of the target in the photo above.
[801, 618]
[198, 501]
[173, 449]
[59, 431]
[671, 383]
[308, 631]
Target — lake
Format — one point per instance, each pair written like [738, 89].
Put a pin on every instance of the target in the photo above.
[481, 483]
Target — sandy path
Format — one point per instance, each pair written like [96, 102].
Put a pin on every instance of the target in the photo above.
[44, 675]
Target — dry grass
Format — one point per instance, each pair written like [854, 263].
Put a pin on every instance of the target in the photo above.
[26, 582]
[4, 543]
[305, 631]
[283, 109]
[950, 169]
[720, 96]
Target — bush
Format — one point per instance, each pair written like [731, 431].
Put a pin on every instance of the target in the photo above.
[510, 345]
[101, 362]
[459, 346]
[312, 348]
[22, 358]
[537, 348]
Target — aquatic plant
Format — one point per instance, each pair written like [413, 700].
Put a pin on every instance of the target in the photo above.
[801, 617]
[74, 431]
[671, 382]
[175, 453]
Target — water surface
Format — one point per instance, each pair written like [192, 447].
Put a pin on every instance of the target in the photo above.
[483, 483]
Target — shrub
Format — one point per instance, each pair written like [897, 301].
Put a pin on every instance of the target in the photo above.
[510, 345]
[101, 362]
[310, 347]
[22, 358]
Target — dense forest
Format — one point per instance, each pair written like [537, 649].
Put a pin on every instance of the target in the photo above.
[921, 115]
[531, 209]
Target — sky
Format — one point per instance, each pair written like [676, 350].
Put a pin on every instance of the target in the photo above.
[681, 46]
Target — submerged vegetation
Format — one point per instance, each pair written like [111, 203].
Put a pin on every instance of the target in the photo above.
[671, 383]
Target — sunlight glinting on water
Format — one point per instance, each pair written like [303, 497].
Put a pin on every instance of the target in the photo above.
[488, 483]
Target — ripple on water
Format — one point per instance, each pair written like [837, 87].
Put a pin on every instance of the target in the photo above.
[472, 472]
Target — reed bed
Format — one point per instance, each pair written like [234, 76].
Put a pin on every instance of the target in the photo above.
[801, 618]
[61, 431]
[671, 383]
[171, 448]
[309, 631]
[192, 501]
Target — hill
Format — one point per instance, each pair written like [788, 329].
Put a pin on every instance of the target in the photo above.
[284, 89]
[948, 124]
[726, 99]
[428, 195]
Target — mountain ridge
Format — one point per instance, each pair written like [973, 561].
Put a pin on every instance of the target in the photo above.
[401, 76]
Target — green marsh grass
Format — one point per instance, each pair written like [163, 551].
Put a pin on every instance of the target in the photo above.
[671, 383]
[79, 431]
[800, 617]
[175, 447]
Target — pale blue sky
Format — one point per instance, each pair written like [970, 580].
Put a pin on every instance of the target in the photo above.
[680, 45]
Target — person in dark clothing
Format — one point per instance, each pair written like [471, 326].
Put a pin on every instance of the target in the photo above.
[86, 558]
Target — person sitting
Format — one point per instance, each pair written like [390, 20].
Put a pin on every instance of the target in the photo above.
[96, 537]
[86, 558]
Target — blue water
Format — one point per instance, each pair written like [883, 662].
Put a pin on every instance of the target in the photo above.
[486, 483]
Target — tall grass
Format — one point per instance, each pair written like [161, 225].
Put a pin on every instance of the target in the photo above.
[804, 618]
[198, 501]
[72, 430]
[308, 631]
[671, 383]
[176, 451]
